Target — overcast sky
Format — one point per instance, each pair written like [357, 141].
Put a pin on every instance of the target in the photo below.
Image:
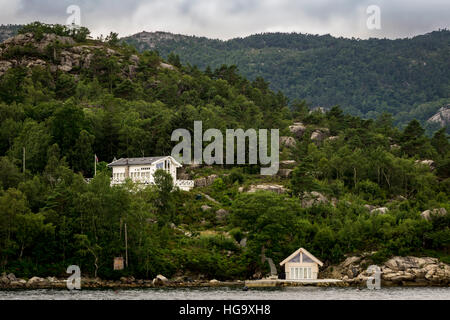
[225, 19]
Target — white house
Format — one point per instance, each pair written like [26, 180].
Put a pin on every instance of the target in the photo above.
[301, 265]
[141, 170]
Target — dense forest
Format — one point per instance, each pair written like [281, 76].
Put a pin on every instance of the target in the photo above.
[405, 77]
[65, 97]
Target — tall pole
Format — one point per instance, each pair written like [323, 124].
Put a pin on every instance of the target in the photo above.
[126, 246]
[95, 165]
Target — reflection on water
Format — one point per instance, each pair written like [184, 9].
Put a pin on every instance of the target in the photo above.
[289, 293]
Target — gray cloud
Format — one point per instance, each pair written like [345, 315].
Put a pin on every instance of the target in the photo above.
[233, 18]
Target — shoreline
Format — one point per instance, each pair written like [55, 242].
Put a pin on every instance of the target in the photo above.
[143, 284]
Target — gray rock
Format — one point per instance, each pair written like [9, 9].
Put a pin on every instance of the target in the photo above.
[427, 163]
[313, 198]
[160, 280]
[205, 181]
[319, 135]
[288, 141]
[221, 214]
[442, 117]
[285, 173]
[267, 187]
[298, 129]
[381, 210]
[430, 214]
[205, 207]
[11, 277]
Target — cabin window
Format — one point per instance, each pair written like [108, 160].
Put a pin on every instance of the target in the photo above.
[160, 165]
[300, 273]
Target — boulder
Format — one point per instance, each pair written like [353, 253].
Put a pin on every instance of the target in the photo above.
[297, 129]
[430, 214]
[428, 163]
[319, 135]
[221, 214]
[287, 164]
[381, 210]
[267, 187]
[35, 281]
[163, 65]
[160, 280]
[4, 280]
[205, 207]
[214, 281]
[285, 173]
[313, 198]
[349, 261]
[4, 66]
[205, 181]
[288, 141]
[11, 277]
[332, 138]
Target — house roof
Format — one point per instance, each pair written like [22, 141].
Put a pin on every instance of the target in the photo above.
[304, 251]
[140, 161]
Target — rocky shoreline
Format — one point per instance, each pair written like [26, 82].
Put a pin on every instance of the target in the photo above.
[11, 282]
[397, 271]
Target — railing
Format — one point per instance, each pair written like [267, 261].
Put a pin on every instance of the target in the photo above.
[184, 184]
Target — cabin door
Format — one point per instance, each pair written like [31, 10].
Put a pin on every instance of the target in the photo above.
[301, 273]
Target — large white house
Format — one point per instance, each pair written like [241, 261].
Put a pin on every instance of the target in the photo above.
[141, 170]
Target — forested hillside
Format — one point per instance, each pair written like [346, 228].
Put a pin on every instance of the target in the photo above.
[364, 77]
[351, 185]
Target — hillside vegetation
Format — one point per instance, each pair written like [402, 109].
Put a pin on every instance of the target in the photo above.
[352, 185]
[405, 77]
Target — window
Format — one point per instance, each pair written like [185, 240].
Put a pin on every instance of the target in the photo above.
[160, 165]
[300, 273]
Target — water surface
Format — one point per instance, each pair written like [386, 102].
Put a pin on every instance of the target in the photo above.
[225, 293]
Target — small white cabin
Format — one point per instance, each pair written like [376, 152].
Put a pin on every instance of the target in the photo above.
[301, 265]
[141, 170]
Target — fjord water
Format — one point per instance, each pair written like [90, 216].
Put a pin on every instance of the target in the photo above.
[304, 293]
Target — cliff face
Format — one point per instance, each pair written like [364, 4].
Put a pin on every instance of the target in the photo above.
[442, 117]
[57, 53]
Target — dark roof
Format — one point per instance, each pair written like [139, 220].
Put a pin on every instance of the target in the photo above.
[135, 161]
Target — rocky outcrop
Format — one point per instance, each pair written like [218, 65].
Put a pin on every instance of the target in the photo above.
[267, 187]
[221, 214]
[297, 129]
[205, 181]
[320, 134]
[288, 142]
[396, 271]
[442, 117]
[66, 58]
[430, 214]
[381, 210]
[284, 173]
[11, 282]
[428, 163]
[205, 207]
[288, 164]
[313, 198]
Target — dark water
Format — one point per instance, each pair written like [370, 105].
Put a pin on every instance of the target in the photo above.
[290, 293]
